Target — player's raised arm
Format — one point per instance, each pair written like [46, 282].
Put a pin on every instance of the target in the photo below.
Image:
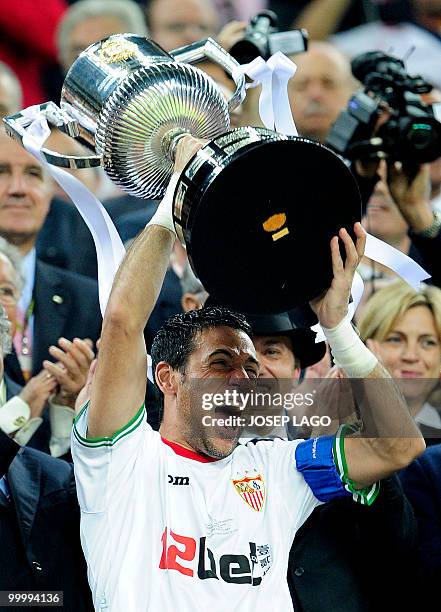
[390, 439]
[118, 388]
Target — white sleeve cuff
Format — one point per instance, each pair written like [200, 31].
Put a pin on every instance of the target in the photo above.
[164, 213]
[14, 414]
[24, 434]
[61, 420]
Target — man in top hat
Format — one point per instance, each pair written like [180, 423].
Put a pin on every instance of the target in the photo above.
[284, 342]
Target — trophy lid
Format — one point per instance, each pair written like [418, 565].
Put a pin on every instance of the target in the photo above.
[259, 237]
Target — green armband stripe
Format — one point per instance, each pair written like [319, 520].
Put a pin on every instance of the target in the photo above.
[365, 496]
[109, 440]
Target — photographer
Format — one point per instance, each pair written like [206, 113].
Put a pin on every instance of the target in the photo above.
[389, 121]
[411, 192]
[399, 212]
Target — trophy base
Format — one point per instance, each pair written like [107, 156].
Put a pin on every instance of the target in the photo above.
[258, 219]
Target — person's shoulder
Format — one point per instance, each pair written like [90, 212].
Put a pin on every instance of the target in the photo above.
[63, 210]
[363, 30]
[55, 472]
[430, 460]
[122, 206]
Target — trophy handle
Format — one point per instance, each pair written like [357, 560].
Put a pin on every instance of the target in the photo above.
[210, 49]
[16, 126]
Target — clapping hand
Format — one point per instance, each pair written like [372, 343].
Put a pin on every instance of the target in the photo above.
[37, 391]
[71, 369]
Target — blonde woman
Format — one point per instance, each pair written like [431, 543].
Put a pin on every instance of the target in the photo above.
[403, 328]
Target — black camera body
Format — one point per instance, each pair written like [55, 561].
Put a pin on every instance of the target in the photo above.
[411, 134]
[262, 38]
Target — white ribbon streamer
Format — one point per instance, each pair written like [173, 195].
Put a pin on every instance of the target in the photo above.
[403, 265]
[273, 75]
[262, 74]
[283, 69]
[108, 244]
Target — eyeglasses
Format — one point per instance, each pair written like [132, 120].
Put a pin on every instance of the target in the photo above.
[8, 295]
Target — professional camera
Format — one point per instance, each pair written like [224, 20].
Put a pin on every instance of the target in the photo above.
[410, 133]
[262, 37]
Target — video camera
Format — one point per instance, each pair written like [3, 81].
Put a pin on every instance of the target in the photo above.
[262, 37]
[412, 133]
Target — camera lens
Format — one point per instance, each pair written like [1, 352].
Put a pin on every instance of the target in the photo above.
[421, 135]
[420, 139]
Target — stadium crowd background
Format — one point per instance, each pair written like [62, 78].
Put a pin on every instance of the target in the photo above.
[48, 289]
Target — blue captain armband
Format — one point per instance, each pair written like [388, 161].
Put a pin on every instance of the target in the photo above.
[322, 463]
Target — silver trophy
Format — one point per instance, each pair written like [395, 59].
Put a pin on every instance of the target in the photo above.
[250, 206]
[130, 101]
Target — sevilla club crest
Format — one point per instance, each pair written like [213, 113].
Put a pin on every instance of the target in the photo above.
[252, 490]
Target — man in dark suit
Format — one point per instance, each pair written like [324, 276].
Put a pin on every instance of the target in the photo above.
[39, 526]
[346, 554]
[54, 302]
[422, 484]
[39, 518]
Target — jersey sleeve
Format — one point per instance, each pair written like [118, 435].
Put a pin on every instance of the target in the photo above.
[322, 462]
[106, 467]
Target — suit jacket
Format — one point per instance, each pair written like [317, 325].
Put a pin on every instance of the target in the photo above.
[422, 484]
[63, 232]
[346, 554]
[66, 304]
[12, 388]
[127, 204]
[42, 519]
[130, 223]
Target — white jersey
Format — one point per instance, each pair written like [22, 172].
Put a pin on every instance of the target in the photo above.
[165, 529]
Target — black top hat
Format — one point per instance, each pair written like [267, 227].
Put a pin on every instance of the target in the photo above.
[304, 346]
[295, 324]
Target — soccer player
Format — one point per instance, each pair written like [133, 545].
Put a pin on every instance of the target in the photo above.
[186, 519]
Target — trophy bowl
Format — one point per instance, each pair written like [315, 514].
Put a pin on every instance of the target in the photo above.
[128, 100]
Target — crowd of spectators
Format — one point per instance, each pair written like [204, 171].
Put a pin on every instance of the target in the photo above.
[50, 319]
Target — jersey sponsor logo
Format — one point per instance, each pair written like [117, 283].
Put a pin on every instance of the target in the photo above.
[178, 553]
[251, 488]
[178, 480]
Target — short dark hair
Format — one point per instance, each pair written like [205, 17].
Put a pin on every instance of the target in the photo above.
[175, 341]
